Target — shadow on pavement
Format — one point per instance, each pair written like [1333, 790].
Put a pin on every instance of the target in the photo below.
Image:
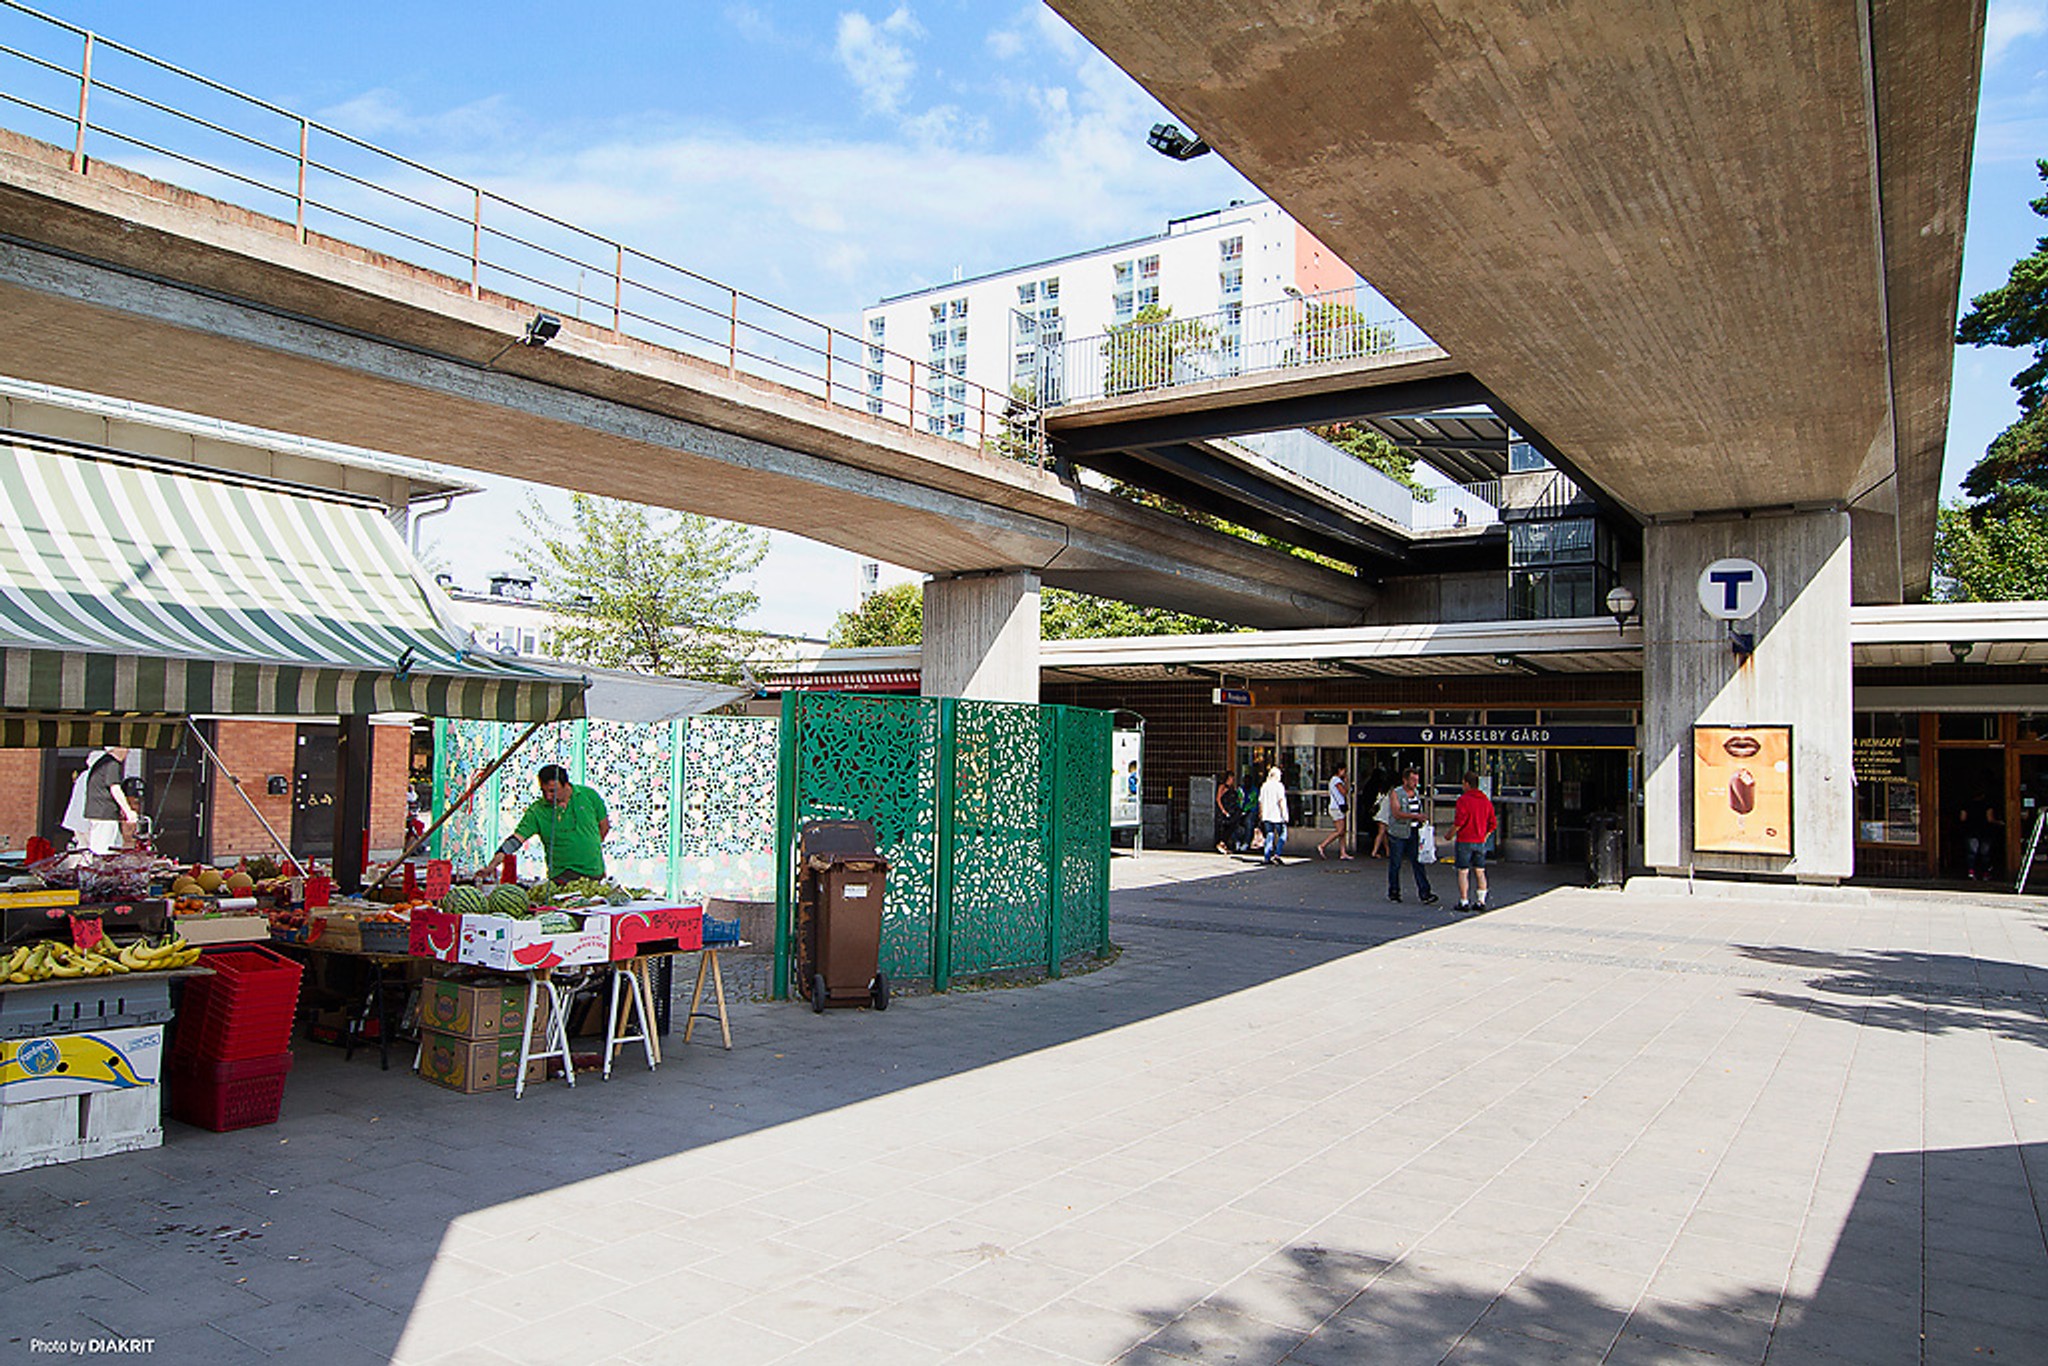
[312, 1237]
[1941, 1258]
[1933, 992]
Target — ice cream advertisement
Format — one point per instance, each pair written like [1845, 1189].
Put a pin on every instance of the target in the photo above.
[1742, 790]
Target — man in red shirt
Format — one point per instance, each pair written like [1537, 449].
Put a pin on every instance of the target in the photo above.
[1472, 825]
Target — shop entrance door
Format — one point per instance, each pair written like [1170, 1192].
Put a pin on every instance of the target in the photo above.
[1377, 767]
[1583, 782]
[313, 779]
[173, 790]
[1966, 781]
[2033, 801]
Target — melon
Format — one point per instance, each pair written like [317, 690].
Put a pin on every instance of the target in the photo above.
[240, 884]
[557, 922]
[463, 899]
[507, 900]
[210, 880]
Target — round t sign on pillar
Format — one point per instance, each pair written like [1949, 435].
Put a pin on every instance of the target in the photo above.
[1733, 589]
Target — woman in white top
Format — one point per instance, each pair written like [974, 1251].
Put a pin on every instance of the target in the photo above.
[1340, 805]
[1273, 814]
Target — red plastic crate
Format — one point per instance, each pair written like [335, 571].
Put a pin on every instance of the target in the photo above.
[229, 1095]
[244, 1011]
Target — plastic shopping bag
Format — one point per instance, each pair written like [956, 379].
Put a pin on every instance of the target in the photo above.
[1425, 843]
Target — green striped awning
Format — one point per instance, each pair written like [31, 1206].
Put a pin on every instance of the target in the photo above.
[134, 588]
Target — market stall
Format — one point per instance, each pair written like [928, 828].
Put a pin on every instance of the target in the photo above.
[137, 594]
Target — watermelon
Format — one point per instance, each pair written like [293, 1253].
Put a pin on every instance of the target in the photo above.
[557, 922]
[463, 899]
[507, 900]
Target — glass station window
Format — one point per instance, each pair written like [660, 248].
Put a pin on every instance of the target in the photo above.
[1887, 757]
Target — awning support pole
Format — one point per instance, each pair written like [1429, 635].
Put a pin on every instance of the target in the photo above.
[236, 783]
[461, 801]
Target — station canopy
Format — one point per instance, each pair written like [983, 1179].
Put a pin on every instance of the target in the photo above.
[135, 593]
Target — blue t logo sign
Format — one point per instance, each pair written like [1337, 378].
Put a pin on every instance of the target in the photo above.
[1731, 581]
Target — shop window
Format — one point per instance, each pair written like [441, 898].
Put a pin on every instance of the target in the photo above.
[1887, 758]
[1967, 725]
[2033, 725]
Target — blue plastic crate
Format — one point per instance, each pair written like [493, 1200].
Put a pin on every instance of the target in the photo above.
[717, 932]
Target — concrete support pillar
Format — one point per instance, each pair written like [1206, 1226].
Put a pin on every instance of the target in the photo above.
[1799, 676]
[981, 636]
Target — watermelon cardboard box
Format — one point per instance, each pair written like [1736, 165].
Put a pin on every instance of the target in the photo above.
[650, 925]
[496, 941]
[489, 930]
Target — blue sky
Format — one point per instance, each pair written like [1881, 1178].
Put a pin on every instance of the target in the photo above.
[826, 155]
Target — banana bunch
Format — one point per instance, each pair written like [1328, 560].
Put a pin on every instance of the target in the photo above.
[49, 958]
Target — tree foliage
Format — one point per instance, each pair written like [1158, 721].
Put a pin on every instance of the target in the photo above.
[2012, 478]
[1334, 331]
[1152, 350]
[643, 589]
[888, 616]
[895, 616]
[1990, 559]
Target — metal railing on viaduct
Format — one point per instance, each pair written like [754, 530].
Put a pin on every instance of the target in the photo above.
[77, 89]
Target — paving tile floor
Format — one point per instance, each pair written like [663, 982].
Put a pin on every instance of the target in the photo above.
[1291, 1122]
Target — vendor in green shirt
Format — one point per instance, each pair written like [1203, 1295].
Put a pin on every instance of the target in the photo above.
[572, 823]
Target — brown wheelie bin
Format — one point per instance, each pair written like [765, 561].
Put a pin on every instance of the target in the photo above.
[839, 910]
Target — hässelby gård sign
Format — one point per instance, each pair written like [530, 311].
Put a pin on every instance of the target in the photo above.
[1498, 737]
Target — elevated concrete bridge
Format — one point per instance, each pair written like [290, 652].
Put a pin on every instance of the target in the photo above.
[119, 284]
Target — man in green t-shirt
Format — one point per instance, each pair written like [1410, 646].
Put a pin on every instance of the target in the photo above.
[572, 823]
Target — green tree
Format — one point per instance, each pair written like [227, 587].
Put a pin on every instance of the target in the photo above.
[1989, 559]
[2012, 478]
[895, 616]
[1152, 350]
[1375, 450]
[888, 616]
[643, 589]
[1333, 331]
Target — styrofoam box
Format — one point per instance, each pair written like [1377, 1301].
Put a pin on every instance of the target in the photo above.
[38, 1133]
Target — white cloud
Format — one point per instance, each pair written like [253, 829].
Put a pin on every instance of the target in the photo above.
[877, 57]
[2008, 21]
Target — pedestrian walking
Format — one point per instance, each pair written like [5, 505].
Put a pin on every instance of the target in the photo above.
[1229, 815]
[1406, 812]
[1273, 814]
[1376, 794]
[1339, 805]
[1473, 824]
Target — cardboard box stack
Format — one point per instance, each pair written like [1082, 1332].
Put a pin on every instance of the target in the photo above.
[470, 1031]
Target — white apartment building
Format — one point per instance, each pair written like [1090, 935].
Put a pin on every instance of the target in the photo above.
[960, 349]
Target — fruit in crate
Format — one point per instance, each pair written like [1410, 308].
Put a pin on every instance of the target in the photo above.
[463, 899]
[211, 880]
[508, 900]
[185, 885]
[52, 959]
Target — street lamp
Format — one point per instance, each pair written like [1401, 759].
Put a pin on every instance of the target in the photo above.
[1621, 605]
[1167, 140]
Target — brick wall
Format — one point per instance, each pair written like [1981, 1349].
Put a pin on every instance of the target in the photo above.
[390, 763]
[21, 790]
[254, 750]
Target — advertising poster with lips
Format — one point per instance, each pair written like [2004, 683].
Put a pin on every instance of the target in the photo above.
[1742, 790]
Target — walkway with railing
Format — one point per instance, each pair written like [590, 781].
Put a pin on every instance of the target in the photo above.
[69, 86]
[1154, 352]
